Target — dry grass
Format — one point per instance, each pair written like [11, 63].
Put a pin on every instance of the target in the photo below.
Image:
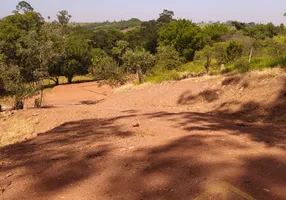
[15, 130]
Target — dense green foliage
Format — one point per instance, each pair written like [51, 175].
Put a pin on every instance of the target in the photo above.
[32, 50]
[185, 36]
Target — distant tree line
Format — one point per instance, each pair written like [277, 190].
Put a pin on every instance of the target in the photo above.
[121, 25]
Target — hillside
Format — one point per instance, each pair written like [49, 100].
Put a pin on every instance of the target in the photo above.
[201, 137]
[121, 25]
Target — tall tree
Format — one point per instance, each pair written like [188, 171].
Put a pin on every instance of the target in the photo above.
[63, 17]
[206, 54]
[216, 31]
[23, 7]
[165, 17]
[149, 35]
[12, 29]
[185, 36]
[78, 54]
[134, 38]
[106, 39]
[119, 50]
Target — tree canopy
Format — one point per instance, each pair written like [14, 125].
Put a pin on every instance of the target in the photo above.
[33, 50]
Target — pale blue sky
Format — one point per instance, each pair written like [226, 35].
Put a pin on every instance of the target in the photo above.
[198, 10]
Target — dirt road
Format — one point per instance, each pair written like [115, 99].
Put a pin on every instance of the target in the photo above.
[203, 138]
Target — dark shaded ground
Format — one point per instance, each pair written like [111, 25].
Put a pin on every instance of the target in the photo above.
[208, 156]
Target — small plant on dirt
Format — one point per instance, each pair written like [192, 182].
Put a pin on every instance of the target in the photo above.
[15, 85]
[210, 95]
[19, 105]
[37, 103]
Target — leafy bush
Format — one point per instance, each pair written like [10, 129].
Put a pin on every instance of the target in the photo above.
[14, 85]
[106, 69]
[168, 58]
[234, 50]
[138, 58]
[242, 65]
[138, 61]
[206, 54]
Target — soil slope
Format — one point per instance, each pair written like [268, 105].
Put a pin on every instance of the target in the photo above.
[200, 138]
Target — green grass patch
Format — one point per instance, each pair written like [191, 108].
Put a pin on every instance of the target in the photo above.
[280, 39]
[262, 63]
[163, 75]
[194, 67]
[242, 65]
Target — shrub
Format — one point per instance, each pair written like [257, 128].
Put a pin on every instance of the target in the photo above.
[206, 54]
[106, 69]
[37, 103]
[138, 61]
[242, 65]
[234, 50]
[19, 105]
[168, 58]
[15, 86]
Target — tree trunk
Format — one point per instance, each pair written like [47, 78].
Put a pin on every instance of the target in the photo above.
[139, 73]
[250, 55]
[207, 65]
[70, 79]
[41, 96]
[56, 80]
[207, 69]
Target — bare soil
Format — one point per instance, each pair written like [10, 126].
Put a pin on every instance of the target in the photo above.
[201, 138]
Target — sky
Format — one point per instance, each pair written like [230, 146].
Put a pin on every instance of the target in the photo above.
[260, 11]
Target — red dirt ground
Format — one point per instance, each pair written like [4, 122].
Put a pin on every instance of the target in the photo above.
[202, 138]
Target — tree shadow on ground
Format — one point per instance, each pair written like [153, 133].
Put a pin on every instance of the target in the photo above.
[206, 95]
[91, 102]
[61, 156]
[203, 164]
[202, 167]
[219, 155]
[273, 112]
[243, 121]
[271, 135]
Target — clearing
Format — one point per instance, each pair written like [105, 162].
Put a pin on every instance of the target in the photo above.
[200, 138]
